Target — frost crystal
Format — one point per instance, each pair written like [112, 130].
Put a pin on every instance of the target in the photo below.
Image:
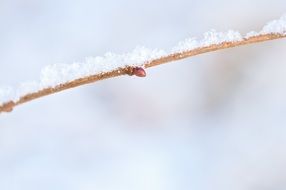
[186, 45]
[213, 37]
[6, 93]
[210, 38]
[251, 34]
[275, 27]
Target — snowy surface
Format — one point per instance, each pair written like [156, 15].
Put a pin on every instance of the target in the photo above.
[210, 38]
[53, 75]
[273, 27]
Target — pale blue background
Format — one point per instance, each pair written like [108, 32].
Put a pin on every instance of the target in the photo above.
[215, 121]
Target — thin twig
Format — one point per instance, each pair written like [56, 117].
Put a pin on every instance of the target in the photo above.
[7, 107]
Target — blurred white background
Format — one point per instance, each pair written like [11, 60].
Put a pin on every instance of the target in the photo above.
[215, 121]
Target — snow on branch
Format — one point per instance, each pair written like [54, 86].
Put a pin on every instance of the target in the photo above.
[59, 77]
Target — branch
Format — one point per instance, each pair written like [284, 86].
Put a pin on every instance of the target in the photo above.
[7, 107]
[63, 77]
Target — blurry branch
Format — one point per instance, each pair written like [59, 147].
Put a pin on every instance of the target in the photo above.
[8, 106]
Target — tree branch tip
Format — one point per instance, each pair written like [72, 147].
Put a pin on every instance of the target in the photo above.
[7, 107]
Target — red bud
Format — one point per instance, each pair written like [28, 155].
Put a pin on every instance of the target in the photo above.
[139, 72]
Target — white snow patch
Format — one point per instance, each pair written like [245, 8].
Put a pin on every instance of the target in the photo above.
[273, 27]
[6, 94]
[53, 75]
[186, 45]
[26, 88]
[210, 38]
[251, 34]
[56, 74]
